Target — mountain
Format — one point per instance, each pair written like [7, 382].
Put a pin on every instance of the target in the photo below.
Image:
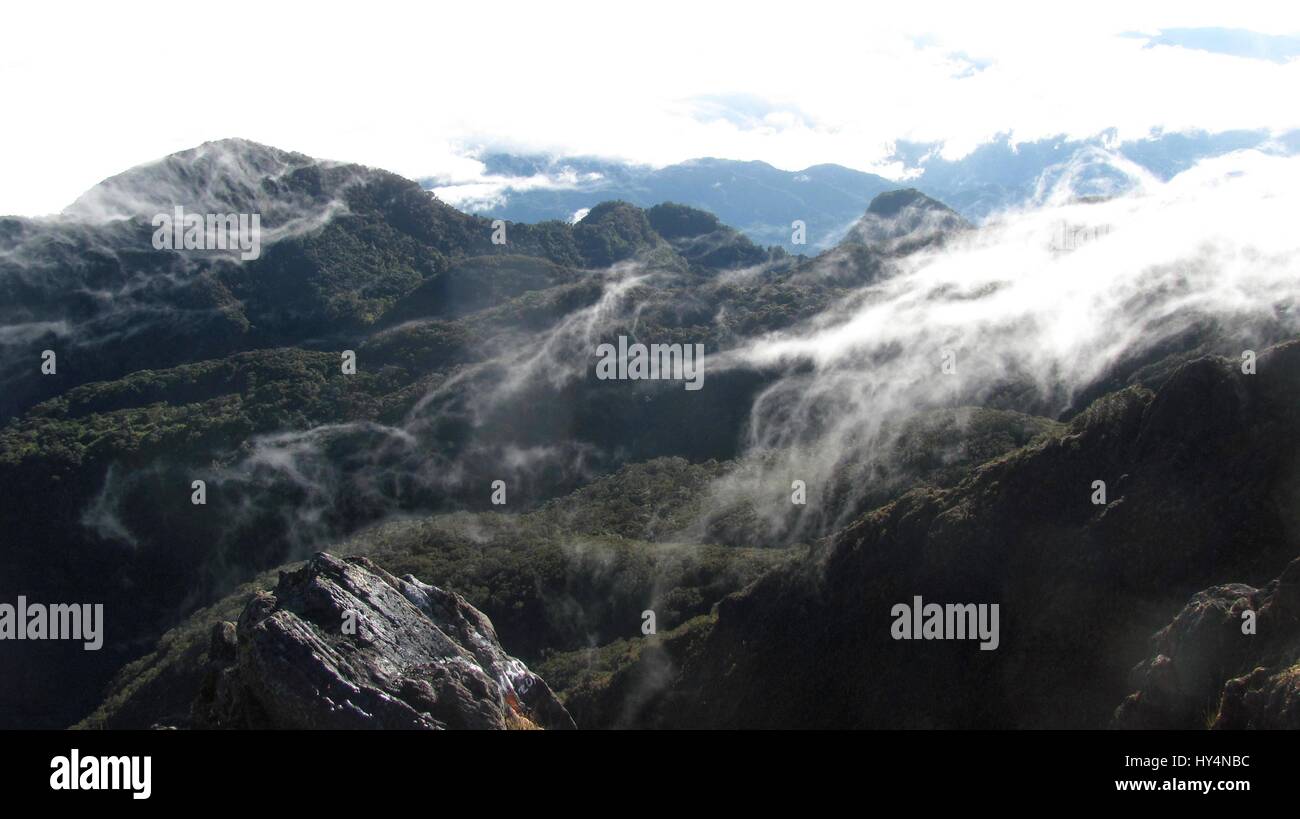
[809, 644]
[231, 175]
[396, 380]
[187, 365]
[904, 220]
[759, 200]
[762, 201]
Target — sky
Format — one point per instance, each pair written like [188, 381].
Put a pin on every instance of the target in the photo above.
[92, 90]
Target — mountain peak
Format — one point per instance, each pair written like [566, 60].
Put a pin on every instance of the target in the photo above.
[673, 221]
[227, 175]
[904, 220]
[613, 231]
[891, 203]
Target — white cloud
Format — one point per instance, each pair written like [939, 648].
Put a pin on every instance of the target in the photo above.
[1014, 304]
[92, 90]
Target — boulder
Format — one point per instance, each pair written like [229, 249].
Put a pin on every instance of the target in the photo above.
[341, 643]
[1211, 667]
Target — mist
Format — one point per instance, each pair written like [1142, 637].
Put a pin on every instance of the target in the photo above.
[1022, 322]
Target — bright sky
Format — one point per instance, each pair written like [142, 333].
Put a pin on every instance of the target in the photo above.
[92, 89]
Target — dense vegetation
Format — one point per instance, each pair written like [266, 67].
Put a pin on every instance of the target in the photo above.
[474, 364]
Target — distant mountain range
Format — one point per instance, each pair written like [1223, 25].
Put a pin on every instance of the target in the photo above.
[762, 201]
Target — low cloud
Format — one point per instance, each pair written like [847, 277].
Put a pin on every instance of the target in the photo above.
[1011, 307]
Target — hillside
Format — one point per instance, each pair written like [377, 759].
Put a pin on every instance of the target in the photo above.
[394, 379]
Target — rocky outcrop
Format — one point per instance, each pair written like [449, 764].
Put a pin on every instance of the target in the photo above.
[341, 643]
[1229, 659]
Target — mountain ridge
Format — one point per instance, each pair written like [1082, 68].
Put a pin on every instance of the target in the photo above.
[623, 497]
[998, 175]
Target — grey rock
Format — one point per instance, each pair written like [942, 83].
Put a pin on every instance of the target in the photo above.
[341, 643]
